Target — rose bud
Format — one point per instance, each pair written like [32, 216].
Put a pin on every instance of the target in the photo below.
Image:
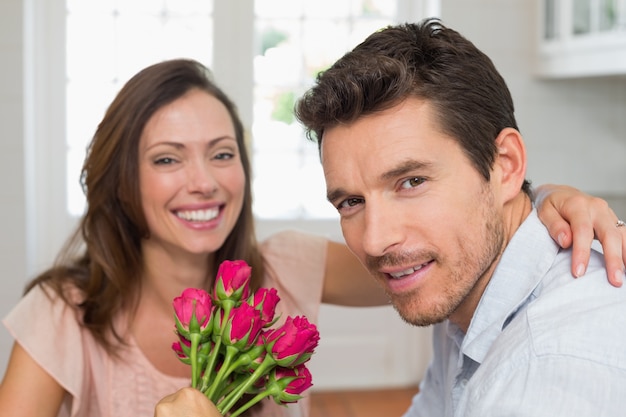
[243, 327]
[193, 311]
[232, 281]
[265, 300]
[292, 343]
[291, 382]
[180, 353]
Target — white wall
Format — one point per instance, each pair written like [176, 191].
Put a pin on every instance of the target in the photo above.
[575, 130]
[13, 220]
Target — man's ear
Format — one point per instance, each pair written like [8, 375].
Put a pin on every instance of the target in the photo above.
[510, 162]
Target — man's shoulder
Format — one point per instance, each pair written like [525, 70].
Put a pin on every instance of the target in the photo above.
[582, 317]
[562, 295]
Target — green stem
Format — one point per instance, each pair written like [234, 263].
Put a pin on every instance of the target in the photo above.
[253, 401]
[225, 390]
[222, 374]
[193, 355]
[243, 359]
[210, 365]
[237, 393]
[217, 337]
[246, 357]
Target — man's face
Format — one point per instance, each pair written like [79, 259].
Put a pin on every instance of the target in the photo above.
[414, 210]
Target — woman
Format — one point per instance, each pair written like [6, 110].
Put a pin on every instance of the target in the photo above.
[167, 180]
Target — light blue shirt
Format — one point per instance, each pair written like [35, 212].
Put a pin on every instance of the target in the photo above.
[541, 343]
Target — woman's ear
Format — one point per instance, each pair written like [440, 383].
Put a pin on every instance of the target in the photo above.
[510, 162]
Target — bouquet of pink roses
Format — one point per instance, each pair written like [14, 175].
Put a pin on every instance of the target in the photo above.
[228, 340]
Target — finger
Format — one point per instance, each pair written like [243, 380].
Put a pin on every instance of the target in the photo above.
[614, 258]
[613, 248]
[583, 235]
[613, 240]
[557, 226]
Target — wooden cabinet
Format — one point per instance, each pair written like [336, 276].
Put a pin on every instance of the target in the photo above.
[581, 38]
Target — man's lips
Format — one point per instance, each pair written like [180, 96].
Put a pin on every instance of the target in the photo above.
[407, 278]
[407, 271]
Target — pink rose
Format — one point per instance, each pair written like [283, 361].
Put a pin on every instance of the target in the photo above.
[178, 349]
[265, 300]
[293, 343]
[243, 327]
[182, 348]
[193, 310]
[232, 281]
[292, 382]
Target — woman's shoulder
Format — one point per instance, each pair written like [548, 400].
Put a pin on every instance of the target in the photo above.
[296, 264]
[293, 239]
[293, 250]
[61, 296]
[43, 307]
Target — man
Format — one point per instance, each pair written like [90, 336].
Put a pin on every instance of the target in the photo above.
[426, 166]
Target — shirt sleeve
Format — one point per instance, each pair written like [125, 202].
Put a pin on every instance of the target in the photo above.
[48, 330]
[296, 263]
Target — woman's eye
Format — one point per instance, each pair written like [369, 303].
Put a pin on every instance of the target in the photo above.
[412, 182]
[349, 202]
[164, 161]
[224, 156]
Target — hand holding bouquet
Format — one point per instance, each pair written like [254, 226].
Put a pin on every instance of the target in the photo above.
[228, 340]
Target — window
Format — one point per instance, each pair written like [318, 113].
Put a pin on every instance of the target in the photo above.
[292, 41]
[106, 44]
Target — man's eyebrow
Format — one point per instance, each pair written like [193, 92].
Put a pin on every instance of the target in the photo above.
[404, 168]
[401, 169]
[335, 194]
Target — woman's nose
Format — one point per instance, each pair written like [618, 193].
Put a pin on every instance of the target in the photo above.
[201, 180]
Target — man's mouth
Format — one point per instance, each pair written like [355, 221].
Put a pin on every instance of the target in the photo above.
[408, 271]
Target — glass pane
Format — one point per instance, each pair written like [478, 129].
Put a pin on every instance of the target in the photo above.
[296, 40]
[108, 41]
[550, 24]
[582, 17]
[608, 15]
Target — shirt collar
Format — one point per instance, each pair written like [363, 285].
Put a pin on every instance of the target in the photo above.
[526, 259]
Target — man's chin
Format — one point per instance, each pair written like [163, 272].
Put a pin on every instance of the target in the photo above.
[422, 317]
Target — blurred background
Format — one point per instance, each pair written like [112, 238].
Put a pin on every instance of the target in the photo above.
[64, 60]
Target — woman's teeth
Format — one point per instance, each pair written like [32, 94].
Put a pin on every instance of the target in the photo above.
[198, 215]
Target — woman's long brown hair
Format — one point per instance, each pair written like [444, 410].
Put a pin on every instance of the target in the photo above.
[102, 258]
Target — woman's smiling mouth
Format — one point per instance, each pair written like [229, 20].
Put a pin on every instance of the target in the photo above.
[198, 215]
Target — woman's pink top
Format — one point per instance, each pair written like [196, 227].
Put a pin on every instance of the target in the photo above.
[99, 385]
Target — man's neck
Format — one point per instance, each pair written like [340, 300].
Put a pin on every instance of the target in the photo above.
[515, 212]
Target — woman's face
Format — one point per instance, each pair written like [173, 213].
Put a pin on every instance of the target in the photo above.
[191, 178]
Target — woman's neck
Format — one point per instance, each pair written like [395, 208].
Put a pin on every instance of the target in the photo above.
[166, 274]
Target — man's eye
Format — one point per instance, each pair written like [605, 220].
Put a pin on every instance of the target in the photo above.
[349, 202]
[412, 182]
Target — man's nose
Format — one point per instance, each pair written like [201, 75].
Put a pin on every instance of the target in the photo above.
[383, 228]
